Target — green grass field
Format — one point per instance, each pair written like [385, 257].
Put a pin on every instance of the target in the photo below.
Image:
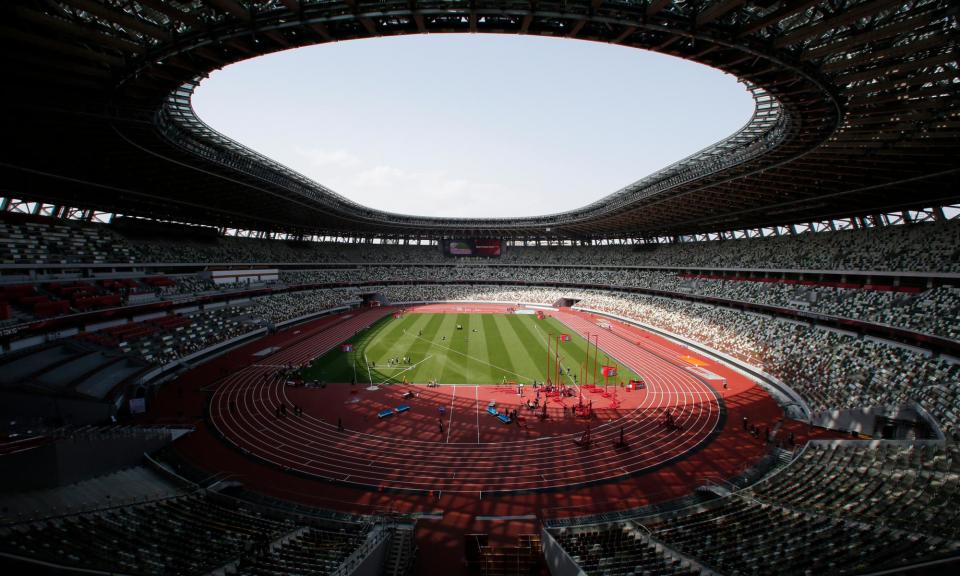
[490, 349]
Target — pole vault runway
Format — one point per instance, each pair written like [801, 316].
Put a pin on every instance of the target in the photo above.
[461, 449]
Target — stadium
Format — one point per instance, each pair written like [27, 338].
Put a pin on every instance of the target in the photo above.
[744, 362]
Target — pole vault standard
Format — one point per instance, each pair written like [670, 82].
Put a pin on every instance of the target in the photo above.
[583, 366]
[556, 351]
[548, 371]
[605, 364]
[590, 367]
[586, 368]
[354, 366]
[596, 353]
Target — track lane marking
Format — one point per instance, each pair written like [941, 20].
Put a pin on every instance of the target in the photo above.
[247, 387]
[450, 423]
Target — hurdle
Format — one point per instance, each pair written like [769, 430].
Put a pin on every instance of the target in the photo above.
[584, 441]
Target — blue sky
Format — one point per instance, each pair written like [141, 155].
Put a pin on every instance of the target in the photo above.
[473, 125]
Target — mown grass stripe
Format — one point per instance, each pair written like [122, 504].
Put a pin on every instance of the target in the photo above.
[510, 346]
[398, 341]
[532, 341]
[498, 352]
[515, 357]
[424, 335]
[453, 369]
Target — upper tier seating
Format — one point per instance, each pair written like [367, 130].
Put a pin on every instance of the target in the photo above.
[931, 247]
[932, 311]
[60, 242]
[280, 307]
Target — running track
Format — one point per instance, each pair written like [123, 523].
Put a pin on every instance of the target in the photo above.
[243, 406]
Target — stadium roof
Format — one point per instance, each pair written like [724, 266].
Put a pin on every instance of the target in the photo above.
[856, 109]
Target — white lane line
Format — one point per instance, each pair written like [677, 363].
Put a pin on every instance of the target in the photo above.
[450, 423]
[410, 368]
[476, 396]
[241, 391]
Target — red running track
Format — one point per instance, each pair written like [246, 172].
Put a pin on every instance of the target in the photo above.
[472, 453]
[440, 538]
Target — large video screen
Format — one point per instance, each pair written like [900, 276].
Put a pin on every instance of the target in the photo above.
[483, 248]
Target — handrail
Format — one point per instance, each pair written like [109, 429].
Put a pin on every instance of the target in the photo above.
[376, 536]
[720, 482]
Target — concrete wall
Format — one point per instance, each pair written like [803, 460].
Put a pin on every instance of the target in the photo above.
[372, 563]
[558, 561]
[864, 420]
[76, 412]
[71, 460]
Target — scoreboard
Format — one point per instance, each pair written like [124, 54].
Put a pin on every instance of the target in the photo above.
[473, 247]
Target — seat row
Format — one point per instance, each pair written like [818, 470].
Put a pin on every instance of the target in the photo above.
[190, 534]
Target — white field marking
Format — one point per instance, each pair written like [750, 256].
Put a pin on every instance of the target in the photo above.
[410, 368]
[472, 358]
[366, 364]
[450, 422]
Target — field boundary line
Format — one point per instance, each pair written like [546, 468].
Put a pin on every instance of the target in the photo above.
[453, 398]
[407, 368]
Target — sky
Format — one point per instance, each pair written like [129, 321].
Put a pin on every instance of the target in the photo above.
[473, 125]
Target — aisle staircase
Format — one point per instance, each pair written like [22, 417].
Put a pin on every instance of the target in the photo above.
[402, 551]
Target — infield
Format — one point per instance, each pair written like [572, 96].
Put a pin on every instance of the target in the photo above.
[462, 349]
